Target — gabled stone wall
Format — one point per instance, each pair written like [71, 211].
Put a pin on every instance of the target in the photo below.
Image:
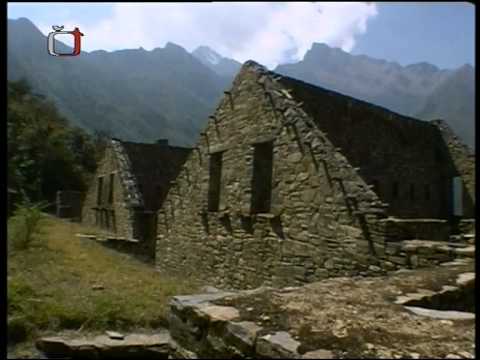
[123, 222]
[326, 217]
[320, 208]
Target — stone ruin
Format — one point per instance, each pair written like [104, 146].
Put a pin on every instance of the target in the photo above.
[129, 186]
[302, 193]
[336, 318]
[290, 183]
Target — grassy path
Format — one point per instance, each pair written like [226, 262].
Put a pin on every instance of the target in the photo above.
[63, 282]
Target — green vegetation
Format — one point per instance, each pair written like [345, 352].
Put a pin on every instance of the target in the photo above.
[132, 94]
[24, 225]
[45, 153]
[63, 282]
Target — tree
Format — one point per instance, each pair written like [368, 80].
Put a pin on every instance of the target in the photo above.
[45, 154]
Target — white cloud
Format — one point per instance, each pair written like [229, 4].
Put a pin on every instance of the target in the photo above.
[269, 33]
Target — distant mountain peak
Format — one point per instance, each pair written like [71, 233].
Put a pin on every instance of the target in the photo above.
[207, 54]
[466, 67]
[423, 67]
[23, 20]
[216, 62]
[24, 24]
[320, 46]
[173, 46]
[327, 48]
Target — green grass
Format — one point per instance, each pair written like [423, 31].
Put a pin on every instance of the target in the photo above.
[51, 286]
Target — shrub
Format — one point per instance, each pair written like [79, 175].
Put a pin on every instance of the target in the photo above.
[24, 225]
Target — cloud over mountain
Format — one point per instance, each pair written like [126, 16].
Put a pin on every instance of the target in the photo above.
[270, 33]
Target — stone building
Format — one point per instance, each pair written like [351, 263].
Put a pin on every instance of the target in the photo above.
[291, 183]
[129, 186]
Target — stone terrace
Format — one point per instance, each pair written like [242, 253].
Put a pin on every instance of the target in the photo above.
[334, 318]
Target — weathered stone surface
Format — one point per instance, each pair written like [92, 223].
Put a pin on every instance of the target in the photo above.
[341, 309]
[179, 352]
[182, 301]
[102, 347]
[277, 345]
[209, 289]
[468, 251]
[115, 335]
[457, 262]
[319, 354]
[220, 313]
[441, 314]
[466, 279]
[420, 294]
[126, 207]
[329, 189]
[243, 335]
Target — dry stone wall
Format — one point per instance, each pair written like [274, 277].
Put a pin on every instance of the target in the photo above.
[464, 162]
[405, 159]
[317, 226]
[324, 218]
[123, 224]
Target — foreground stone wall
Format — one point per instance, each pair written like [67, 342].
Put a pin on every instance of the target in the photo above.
[342, 318]
[336, 318]
[320, 213]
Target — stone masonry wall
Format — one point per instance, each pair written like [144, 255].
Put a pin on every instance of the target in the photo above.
[123, 215]
[321, 209]
[395, 229]
[464, 162]
[406, 159]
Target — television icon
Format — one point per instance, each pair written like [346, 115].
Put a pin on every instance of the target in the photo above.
[59, 30]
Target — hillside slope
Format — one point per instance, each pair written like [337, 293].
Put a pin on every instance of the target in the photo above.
[133, 94]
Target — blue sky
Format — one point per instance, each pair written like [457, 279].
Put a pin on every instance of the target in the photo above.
[442, 34]
[271, 33]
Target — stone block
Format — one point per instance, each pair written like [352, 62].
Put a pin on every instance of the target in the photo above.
[133, 346]
[220, 313]
[277, 345]
[242, 335]
[297, 248]
[399, 260]
[319, 354]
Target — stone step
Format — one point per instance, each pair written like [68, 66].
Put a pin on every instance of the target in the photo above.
[86, 236]
[132, 346]
[461, 237]
[441, 314]
[460, 261]
[468, 251]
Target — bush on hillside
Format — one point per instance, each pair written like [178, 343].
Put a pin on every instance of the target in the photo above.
[24, 225]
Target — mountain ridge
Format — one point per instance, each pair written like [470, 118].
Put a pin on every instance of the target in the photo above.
[120, 92]
[167, 92]
[410, 90]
